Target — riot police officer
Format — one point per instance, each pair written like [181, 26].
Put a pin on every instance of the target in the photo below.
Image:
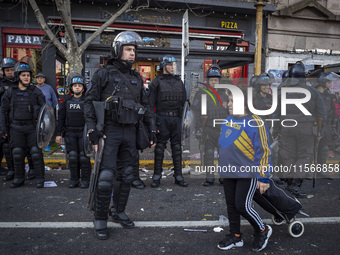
[168, 95]
[22, 104]
[262, 97]
[205, 130]
[297, 143]
[328, 123]
[8, 80]
[71, 123]
[121, 88]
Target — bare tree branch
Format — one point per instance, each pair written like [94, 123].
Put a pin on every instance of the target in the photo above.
[104, 26]
[64, 9]
[47, 30]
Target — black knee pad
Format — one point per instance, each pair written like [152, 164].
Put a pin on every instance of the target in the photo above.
[7, 148]
[105, 180]
[18, 153]
[83, 158]
[176, 149]
[128, 175]
[36, 153]
[73, 155]
[159, 148]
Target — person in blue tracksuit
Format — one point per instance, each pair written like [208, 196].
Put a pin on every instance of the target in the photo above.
[244, 164]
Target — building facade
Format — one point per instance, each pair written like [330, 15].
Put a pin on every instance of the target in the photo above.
[307, 30]
[219, 31]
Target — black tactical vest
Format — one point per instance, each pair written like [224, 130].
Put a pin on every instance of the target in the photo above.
[215, 110]
[328, 103]
[170, 93]
[124, 104]
[75, 113]
[295, 113]
[22, 103]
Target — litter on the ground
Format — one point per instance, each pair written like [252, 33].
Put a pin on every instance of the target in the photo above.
[218, 229]
[195, 230]
[222, 219]
[50, 184]
[199, 195]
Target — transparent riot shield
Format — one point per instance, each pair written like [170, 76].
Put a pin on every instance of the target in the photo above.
[45, 126]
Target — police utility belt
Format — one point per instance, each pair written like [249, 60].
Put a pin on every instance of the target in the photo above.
[22, 122]
[123, 111]
[169, 113]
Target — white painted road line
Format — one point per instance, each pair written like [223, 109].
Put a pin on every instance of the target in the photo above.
[158, 224]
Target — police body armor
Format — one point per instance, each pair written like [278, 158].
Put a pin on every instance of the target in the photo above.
[22, 105]
[295, 113]
[75, 114]
[328, 103]
[215, 110]
[171, 94]
[122, 106]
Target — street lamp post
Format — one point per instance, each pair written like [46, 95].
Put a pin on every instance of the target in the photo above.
[260, 4]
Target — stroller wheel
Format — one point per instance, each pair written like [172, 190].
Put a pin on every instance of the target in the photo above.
[277, 221]
[296, 229]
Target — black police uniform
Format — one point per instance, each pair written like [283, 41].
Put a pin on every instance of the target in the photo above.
[120, 131]
[22, 108]
[5, 147]
[297, 143]
[263, 103]
[71, 123]
[328, 123]
[168, 95]
[204, 126]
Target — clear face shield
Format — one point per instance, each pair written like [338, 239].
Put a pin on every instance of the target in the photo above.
[171, 68]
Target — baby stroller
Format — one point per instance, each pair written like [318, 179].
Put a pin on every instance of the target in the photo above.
[283, 206]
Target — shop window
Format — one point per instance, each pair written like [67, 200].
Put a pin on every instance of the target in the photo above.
[34, 54]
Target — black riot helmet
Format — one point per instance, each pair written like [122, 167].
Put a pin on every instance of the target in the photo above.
[285, 76]
[74, 78]
[122, 39]
[168, 60]
[262, 79]
[253, 81]
[22, 67]
[7, 63]
[297, 70]
[214, 71]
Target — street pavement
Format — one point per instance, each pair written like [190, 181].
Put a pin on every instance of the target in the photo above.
[55, 220]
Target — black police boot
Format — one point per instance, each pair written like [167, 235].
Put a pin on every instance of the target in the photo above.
[138, 184]
[100, 229]
[177, 160]
[157, 175]
[209, 182]
[30, 174]
[19, 167]
[85, 165]
[9, 176]
[3, 171]
[118, 215]
[38, 166]
[179, 180]
[294, 186]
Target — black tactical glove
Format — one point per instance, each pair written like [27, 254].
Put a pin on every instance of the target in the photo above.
[198, 134]
[3, 135]
[152, 137]
[94, 136]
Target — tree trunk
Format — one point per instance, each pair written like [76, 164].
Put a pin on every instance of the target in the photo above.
[74, 61]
